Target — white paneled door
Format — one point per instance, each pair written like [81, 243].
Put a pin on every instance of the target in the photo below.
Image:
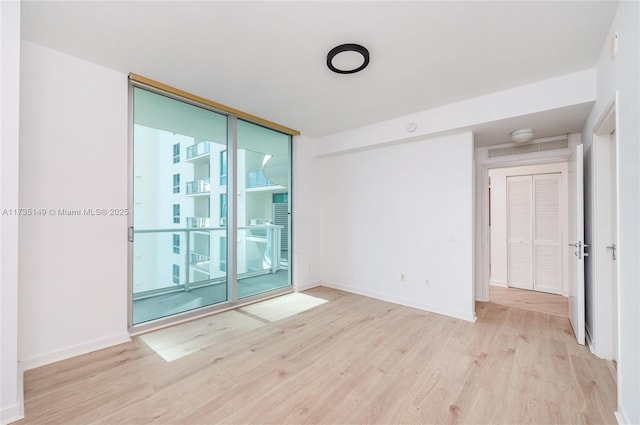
[547, 253]
[534, 232]
[519, 240]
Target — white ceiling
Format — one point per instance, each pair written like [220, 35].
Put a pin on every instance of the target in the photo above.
[545, 124]
[268, 58]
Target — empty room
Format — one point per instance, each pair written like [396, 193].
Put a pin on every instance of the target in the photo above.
[320, 212]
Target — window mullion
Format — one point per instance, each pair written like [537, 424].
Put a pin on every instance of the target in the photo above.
[232, 213]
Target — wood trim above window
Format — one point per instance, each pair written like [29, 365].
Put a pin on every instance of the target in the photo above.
[144, 81]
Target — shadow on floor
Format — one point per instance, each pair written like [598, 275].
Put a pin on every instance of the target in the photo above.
[165, 305]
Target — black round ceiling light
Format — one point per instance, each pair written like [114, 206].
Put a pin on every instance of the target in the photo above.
[347, 50]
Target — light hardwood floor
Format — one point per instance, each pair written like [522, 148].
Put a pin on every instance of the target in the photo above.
[331, 357]
[530, 300]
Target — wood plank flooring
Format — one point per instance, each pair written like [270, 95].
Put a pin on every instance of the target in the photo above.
[344, 359]
[530, 300]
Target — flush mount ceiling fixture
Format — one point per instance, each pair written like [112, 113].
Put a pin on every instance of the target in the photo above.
[348, 58]
[521, 136]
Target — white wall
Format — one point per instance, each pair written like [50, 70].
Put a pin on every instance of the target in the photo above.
[305, 215]
[73, 154]
[499, 217]
[402, 209]
[621, 75]
[554, 93]
[498, 229]
[10, 375]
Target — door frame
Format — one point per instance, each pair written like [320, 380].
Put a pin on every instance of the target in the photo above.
[483, 165]
[601, 333]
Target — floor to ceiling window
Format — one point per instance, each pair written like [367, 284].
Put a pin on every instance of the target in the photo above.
[203, 178]
[263, 209]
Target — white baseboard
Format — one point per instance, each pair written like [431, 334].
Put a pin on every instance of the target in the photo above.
[406, 302]
[622, 420]
[16, 412]
[305, 286]
[66, 353]
[11, 414]
[500, 283]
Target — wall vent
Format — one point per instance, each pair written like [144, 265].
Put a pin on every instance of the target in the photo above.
[529, 148]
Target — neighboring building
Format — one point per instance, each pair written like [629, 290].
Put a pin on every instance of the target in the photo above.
[180, 213]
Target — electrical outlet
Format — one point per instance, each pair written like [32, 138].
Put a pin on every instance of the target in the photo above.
[402, 277]
[426, 282]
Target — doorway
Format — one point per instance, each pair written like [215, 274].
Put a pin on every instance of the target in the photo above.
[561, 149]
[528, 224]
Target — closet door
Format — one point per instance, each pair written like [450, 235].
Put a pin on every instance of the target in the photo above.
[546, 234]
[519, 267]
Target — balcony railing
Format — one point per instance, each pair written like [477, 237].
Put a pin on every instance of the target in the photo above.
[256, 178]
[198, 222]
[195, 258]
[199, 261]
[199, 186]
[260, 254]
[198, 149]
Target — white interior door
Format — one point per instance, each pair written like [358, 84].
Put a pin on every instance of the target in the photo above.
[519, 255]
[614, 246]
[576, 237]
[547, 234]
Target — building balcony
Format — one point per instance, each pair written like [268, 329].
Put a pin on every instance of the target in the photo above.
[198, 222]
[199, 261]
[256, 178]
[198, 150]
[199, 187]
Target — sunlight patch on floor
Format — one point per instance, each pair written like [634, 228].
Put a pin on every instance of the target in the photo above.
[181, 340]
[283, 307]
[178, 341]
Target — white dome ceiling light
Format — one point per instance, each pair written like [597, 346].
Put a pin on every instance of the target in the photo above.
[521, 136]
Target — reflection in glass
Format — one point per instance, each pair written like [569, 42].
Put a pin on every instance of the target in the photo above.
[180, 208]
[263, 209]
[177, 245]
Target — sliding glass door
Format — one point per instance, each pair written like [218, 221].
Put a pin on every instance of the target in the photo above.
[186, 165]
[263, 209]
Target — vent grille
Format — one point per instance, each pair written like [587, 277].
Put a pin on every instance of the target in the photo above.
[530, 148]
[281, 218]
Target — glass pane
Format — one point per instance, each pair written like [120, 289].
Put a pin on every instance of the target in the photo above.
[179, 255]
[264, 165]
